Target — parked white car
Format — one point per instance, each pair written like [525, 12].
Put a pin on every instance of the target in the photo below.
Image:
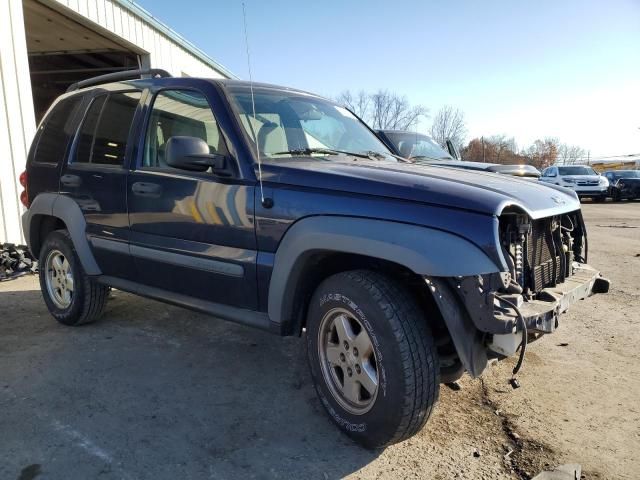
[583, 179]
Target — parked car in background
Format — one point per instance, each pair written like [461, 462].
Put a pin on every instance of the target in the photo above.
[415, 146]
[623, 184]
[422, 148]
[583, 179]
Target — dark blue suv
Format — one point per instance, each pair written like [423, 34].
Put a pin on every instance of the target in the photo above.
[281, 210]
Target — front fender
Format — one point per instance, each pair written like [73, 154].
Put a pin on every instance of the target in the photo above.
[425, 251]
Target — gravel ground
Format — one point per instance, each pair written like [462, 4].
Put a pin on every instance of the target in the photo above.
[153, 391]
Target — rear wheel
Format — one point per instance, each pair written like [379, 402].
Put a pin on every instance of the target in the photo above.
[372, 357]
[72, 297]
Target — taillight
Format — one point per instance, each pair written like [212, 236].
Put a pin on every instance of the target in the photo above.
[24, 195]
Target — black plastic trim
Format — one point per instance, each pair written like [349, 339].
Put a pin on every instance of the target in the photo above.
[234, 314]
[208, 265]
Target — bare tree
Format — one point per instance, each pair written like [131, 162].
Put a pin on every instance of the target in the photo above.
[383, 109]
[570, 154]
[449, 124]
[359, 103]
[502, 145]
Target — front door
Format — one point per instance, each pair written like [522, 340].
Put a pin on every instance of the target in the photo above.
[96, 178]
[192, 233]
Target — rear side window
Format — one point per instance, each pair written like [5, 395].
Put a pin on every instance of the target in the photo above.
[105, 130]
[56, 131]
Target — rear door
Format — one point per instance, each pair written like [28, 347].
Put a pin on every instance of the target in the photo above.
[192, 233]
[96, 177]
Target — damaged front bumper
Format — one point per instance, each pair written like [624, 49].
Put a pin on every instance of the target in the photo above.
[492, 311]
[541, 315]
[484, 323]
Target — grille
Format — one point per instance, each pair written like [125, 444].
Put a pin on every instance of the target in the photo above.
[541, 252]
[543, 255]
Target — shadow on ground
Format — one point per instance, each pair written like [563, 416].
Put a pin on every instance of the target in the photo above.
[153, 391]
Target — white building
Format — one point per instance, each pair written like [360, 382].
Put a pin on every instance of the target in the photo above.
[45, 45]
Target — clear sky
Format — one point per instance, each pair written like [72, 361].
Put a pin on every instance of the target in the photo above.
[569, 69]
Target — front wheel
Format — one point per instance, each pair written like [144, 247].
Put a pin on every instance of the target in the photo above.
[372, 357]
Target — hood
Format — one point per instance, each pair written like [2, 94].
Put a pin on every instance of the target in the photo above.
[483, 192]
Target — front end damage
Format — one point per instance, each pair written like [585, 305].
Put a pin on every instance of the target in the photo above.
[492, 315]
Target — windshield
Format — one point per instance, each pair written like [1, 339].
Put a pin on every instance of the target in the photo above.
[626, 174]
[417, 145]
[576, 171]
[295, 124]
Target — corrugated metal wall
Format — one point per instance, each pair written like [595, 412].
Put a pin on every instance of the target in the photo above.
[127, 21]
[17, 122]
[120, 20]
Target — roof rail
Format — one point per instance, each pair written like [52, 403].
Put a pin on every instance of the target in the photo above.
[118, 76]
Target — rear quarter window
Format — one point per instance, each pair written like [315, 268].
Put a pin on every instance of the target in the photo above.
[57, 130]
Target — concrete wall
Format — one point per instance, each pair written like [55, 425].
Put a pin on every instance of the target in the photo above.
[17, 122]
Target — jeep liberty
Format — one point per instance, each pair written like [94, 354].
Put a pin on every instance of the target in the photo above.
[282, 210]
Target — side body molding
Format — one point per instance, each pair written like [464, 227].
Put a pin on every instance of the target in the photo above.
[423, 250]
[67, 210]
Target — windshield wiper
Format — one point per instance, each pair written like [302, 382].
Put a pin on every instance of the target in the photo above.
[370, 154]
[422, 157]
[327, 151]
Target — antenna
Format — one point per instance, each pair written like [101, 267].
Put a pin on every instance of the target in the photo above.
[253, 105]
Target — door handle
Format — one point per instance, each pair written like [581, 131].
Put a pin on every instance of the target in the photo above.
[145, 189]
[70, 180]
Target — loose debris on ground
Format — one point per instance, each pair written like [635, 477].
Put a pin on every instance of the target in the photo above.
[16, 260]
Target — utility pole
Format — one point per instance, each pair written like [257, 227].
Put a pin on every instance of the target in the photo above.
[589, 157]
[483, 160]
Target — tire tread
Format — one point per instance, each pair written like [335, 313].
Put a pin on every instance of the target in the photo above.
[418, 353]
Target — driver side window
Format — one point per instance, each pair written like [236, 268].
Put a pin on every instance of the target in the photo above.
[179, 113]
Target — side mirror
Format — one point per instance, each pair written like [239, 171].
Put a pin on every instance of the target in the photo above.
[193, 154]
[453, 150]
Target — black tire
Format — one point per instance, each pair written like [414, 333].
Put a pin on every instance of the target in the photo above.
[408, 367]
[88, 297]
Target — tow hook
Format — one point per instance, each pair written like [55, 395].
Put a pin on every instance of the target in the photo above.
[601, 285]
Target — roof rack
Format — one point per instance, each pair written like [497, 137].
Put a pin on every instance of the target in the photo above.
[117, 76]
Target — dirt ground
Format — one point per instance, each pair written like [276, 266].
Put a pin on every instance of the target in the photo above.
[153, 391]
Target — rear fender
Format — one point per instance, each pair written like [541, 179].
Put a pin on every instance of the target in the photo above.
[67, 210]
